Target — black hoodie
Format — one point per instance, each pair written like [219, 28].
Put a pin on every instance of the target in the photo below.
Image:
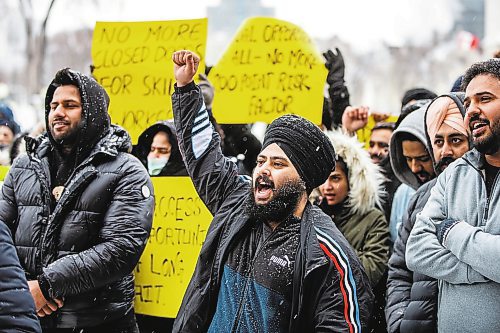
[175, 165]
[95, 123]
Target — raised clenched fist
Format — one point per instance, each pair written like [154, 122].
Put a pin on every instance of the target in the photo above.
[185, 66]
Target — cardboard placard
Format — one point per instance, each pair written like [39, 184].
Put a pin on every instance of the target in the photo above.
[271, 68]
[133, 62]
[179, 228]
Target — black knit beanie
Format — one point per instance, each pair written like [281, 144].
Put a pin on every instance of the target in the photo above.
[308, 148]
[417, 94]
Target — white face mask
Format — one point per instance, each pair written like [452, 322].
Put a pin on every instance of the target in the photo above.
[155, 165]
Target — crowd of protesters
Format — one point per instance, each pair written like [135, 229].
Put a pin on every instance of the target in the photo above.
[311, 231]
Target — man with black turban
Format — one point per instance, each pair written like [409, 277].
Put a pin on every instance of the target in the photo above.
[271, 261]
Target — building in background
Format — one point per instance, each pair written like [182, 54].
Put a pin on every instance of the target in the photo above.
[225, 19]
[491, 26]
[473, 18]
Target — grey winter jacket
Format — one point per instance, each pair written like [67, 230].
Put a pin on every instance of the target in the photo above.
[320, 301]
[467, 263]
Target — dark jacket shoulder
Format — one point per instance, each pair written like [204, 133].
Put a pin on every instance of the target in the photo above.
[16, 304]
[411, 297]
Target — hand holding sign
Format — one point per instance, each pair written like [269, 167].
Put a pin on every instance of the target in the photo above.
[185, 66]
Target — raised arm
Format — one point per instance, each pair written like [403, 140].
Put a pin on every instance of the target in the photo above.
[214, 176]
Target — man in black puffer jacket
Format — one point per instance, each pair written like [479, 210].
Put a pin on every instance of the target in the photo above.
[80, 209]
[412, 297]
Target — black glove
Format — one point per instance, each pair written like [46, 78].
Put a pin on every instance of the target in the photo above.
[335, 65]
[443, 228]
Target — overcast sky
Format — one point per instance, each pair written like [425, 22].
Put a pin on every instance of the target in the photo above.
[362, 22]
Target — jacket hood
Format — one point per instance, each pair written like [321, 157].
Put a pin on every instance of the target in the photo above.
[413, 124]
[116, 140]
[365, 177]
[95, 117]
[458, 98]
[175, 163]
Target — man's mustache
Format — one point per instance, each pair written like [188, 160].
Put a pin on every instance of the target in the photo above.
[444, 162]
[476, 117]
[265, 179]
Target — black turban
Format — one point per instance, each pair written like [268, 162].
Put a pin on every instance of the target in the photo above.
[308, 148]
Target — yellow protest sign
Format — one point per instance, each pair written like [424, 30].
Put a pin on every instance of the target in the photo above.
[133, 62]
[271, 68]
[179, 228]
[365, 133]
[3, 171]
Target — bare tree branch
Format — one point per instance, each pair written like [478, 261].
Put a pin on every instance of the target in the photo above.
[28, 25]
[43, 44]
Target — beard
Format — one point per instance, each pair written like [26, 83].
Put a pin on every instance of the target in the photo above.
[378, 158]
[425, 175]
[70, 137]
[444, 162]
[283, 203]
[491, 143]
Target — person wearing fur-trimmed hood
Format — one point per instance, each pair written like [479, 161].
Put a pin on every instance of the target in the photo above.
[352, 195]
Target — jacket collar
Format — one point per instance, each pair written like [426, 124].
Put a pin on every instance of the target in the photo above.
[475, 159]
[117, 140]
[310, 252]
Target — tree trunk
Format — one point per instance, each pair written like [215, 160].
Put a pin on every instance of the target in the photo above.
[43, 48]
[36, 45]
[27, 13]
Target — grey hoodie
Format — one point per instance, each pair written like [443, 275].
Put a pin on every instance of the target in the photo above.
[467, 263]
[412, 298]
[413, 124]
